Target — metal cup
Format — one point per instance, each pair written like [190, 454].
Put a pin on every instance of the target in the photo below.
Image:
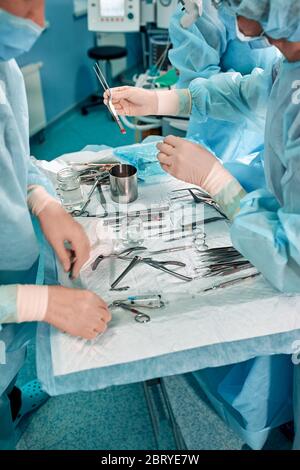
[123, 184]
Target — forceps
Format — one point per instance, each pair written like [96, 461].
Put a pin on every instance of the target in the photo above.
[160, 265]
[110, 105]
[201, 198]
[83, 212]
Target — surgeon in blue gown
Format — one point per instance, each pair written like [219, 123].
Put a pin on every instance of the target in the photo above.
[255, 396]
[208, 47]
[28, 216]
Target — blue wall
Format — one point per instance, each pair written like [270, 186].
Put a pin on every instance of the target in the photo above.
[67, 76]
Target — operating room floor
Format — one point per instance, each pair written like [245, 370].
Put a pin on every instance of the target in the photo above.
[116, 418]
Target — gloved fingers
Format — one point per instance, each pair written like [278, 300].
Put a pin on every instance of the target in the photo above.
[119, 93]
[101, 328]
[81, 248]
[173, 140]
[105, 315]
[164, 159]
[166, 168]
[64, 255]
[165, 148]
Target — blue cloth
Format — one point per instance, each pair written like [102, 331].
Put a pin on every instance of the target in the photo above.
[279, 19]
[208, 48]
[250, 416]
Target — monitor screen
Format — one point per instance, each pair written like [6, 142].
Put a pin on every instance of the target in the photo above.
[112, 8]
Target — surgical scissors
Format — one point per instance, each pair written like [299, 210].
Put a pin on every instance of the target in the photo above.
[110, 105]
[139, 317]
[160, 265]
[83, 212]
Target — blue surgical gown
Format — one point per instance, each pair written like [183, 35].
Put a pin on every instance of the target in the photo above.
[18, 241]
[266, 231]
[208, 48]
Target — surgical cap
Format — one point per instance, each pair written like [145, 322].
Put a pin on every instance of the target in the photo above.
[280, 19]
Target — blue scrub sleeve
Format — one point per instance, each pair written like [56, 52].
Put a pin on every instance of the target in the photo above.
[266, 232]
[196, 50]
[36, 177]
[230, 96]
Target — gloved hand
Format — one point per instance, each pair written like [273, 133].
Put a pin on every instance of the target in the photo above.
[133, 101]
[77, 312]
[59, 227]
[188, 161]
[194, 164]
[193, 9]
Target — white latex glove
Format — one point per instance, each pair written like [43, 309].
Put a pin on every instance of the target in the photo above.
[133, 101]
[194, 9]
[77, 312]
[194, 164]
[191, 163]
[59, 227]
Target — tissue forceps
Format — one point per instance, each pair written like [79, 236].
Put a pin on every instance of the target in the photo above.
[160, 265]
[110, 105]
[201, 198]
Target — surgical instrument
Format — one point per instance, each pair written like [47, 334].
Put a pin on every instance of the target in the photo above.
[146, 218]
[190, 226]
[193, 225]
[200, 191]
[228, 271]
[88, 177]
[73, 260]
[171, 250]
[83, 212]
[110, 105]
[207, 201]
[153, 213]
[102, 199]
[118, 228]
[203, 198]
[160, 265]
[95, 166]
[128, 252]
[223, 285]
[132, 264]
[146, 301]
[139, 317]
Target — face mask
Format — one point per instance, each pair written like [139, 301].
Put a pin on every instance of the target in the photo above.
[193, 10]
[260, 42]
[17, 35]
